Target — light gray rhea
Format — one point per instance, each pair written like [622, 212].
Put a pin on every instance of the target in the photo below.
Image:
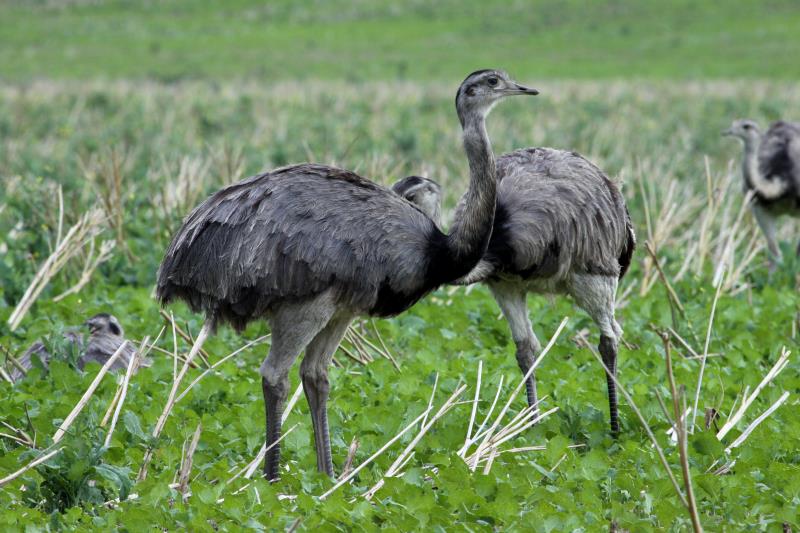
[105, 336]
[310, 247]
[561, 227]
[771, 169]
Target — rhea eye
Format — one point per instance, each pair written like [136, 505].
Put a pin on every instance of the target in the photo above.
[747, 126]
[492, 82]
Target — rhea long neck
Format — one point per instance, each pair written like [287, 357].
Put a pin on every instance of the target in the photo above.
[472, 227]
[750, 172]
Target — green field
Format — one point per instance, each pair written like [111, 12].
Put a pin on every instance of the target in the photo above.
[130, 111]
[383, 40]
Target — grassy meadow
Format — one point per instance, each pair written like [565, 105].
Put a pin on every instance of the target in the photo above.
[125, 140]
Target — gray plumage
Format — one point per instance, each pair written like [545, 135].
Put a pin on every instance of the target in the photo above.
[309, 247]
[561, 226]
[771, 170]
[105, 336]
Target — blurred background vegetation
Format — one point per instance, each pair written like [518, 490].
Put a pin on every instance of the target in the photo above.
[384, 39]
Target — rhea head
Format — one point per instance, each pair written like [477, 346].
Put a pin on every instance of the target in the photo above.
[422, 192]
[482, 89]
[744, 129]
[104, 324]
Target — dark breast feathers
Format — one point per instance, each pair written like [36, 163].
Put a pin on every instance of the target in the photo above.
[291, 234]
[779, 155]
[557, 213]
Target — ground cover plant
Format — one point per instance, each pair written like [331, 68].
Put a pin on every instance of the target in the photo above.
[142, 154]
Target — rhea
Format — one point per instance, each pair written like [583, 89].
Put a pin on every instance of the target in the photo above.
[310, 247]
[561, 226]
[105, 337]
[771, 169]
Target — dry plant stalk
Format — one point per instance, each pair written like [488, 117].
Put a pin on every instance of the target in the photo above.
[78, 236]
[62, 429]
[705, 354]
[682, 436]
[162, 420]
[186, 465]
[107, 177]
[493, 437]
[218, 363]
[351, 455]
[776, 369]
[92, 262]
[185, 336]
[385, 447]
[646, 426]
[132, 364]
[33, 464]
[405, 456]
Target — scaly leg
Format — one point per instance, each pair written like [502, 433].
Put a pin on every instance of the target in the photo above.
[511, 298]
[314, 373]
[293, 327]
[596, 295]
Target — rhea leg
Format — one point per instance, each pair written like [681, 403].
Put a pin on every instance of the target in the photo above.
[596, 295]
[293, 328]
[767, 223]
[512, 298]
[314, 373]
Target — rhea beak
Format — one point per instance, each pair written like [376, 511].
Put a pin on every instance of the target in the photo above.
[516, 88]
[727, 132]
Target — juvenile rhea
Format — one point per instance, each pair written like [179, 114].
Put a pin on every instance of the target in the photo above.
[105, 336]
[771, 169]
[561, 227]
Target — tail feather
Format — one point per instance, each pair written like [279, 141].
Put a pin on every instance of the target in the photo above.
[630, 246]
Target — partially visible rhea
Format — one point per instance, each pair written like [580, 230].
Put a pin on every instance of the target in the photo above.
[771, 169]
[105, 337]
[561, 226]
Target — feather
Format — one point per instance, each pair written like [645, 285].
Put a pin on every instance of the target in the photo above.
[779, 154]
[558, 213]
[292, 233]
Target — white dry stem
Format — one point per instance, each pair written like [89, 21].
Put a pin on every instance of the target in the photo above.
[219, 363]
[78, 236]
[162, 420]
[405, 455]
[383, 448]
[62, 429]
[519, 387]
[753, 425]
[36, 462]
[132, 364]
[705, 357]
[776, 369]
[186, 465]
[91, 264]
[250, 468]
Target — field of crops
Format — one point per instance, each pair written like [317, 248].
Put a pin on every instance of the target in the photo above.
[126, 161]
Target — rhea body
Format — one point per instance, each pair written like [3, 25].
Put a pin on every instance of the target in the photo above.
[310, 247]
[561, 226]
[105, 337]
[771, 169]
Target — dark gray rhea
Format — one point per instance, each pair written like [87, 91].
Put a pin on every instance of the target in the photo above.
[561, 227]
[309, 247]
[771, 169]
[105, 337]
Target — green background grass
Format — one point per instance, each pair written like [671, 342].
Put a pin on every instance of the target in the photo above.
[386, 40]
